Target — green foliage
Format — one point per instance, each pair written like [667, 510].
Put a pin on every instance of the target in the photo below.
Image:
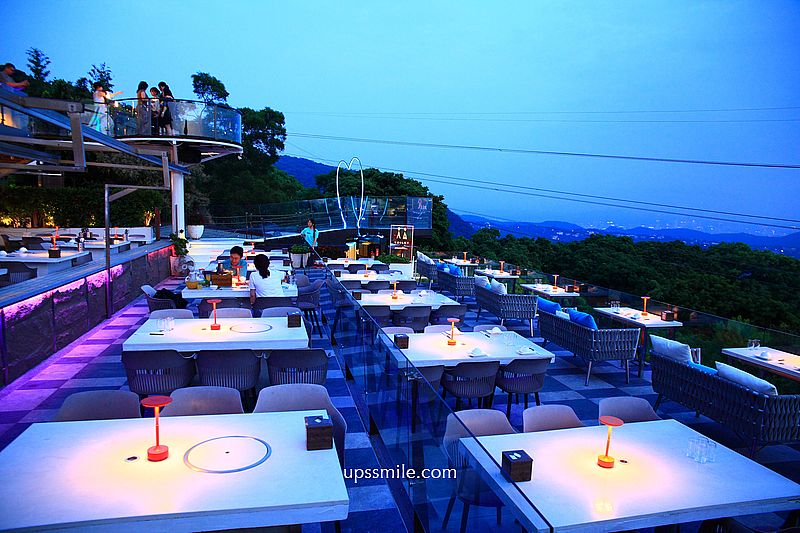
[389, 259]
[208, 88]
[263, 134]
[377, 183]
[101, 73]
[37, 64]
[179, 245]
[300, 249]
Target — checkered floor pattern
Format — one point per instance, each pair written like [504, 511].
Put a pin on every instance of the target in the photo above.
[93, 362]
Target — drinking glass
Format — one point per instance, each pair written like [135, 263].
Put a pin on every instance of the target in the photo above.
[170, 323]
[693, 449]
[162, 324]
[753, 343]
[708, 451]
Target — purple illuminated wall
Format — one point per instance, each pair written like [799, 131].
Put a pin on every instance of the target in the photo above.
[35, 328]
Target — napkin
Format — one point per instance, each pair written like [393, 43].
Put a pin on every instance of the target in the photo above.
[3, 253]
[496, 331]
[477, 352]
[22, 250]
[525, 350]
[763, 355]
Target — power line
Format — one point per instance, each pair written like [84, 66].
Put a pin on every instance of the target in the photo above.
[572, 198]
[592, 196]
[558, 112]
[542, 152]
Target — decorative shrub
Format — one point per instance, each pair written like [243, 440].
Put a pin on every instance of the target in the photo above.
[300, 249]
[389, 258]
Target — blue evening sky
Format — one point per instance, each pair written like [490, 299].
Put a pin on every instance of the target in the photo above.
[431, 71]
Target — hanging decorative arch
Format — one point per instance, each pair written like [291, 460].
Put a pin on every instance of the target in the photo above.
[339, 198]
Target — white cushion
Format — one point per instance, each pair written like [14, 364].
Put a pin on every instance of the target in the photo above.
[498, 287]
[672, 349]
[562, 314]
[747, 380]
[481, 281]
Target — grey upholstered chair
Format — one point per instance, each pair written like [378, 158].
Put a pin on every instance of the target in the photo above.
[174, 313]
[302, 397]
[522, 376]
[415, 317]
[234, 312]
[628, 409]
[99, 405]
[549, 417]
[192, 401]
[237, 369]
[471, 380]
[382, 314]
[440, 316]
[435, 328]
[393, 330]
[297, 366]
[375, 285]
[279, 311]
[157, 371]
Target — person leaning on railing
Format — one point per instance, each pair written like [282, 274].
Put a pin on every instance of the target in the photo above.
[7, 78]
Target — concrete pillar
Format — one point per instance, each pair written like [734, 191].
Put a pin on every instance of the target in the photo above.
[178, 202]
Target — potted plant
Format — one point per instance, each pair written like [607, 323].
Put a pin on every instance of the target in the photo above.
[181, 262]
[299, 254]
[397, 262]
[196, 225]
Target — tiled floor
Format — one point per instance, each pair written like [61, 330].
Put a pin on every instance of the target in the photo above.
[94, 362]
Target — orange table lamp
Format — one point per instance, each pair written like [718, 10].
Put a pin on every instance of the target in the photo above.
[215, 326]
[605, 460]
[452, 340]
[159, 452]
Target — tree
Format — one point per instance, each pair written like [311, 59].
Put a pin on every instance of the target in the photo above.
[37, 64]
[102, 74]
[263, 133]
[209, 88]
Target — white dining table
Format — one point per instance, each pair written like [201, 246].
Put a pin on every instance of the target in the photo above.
[195, 334]
[431, 349]
[94, 475]
[550, 291]
[41, 261]
[240, 291]
[276, 266]
[768, 359]
[374, 276]
[433, 299]
[98, 248]
[653, 482]
[339, 263]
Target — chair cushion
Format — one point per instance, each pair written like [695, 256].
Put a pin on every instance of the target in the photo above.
[549, 306]
[581, 318]
[562, 314]
[672, 349]
[441, 266]
[746, 380]
[481, 281]
[454, 270]
[703, 368]
[497, 287]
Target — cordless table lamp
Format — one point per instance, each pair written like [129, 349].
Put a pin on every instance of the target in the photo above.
[644, 308]
[158, 452]
[605, 460]
[452, 340]
[214, 302]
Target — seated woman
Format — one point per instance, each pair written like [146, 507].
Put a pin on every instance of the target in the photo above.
[236, 260]
[263, 282]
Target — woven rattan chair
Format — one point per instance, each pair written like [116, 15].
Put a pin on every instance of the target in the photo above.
[237, 369]
[157, 371]
[507, 306]
[297, 366]
[458, 286]
[172, 313]
[628, 409]
[471, 490]
[522, 376]
[428, 271]
[591, 345]
[549, 417]
[415, 317]
[440, 316]
[99, 405]
[471, 380]
[375, 285]
[303, 397]
[193, 401]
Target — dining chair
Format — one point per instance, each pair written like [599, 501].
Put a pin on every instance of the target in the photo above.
[440, 316]
[265, 302]
[82, 260]
[382, 314]
[303, 397]
[628, 408]
[436, 328]
[33, 243]
[204, 308]
[172, 313]
[17, 273]
[415, 317]
[297, 366]
[474, 379]
[389, 291]
[375, 285]
[234, 312]
[153, 303]
[522, 376]
[487, 327]
[351, 284]
[301, 280]
[406, 285]
[354, 268]
[393, 330]
[157, 371]
[192, 401]
[470, 488]
[379, 267]
[279, 311]
[99, 405]
[237, 369]
[308, 300]
[549, 417]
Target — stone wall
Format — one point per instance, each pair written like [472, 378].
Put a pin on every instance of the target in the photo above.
[35, 328]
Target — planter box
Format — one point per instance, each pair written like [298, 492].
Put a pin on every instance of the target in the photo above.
[299, 260]
[195, 231]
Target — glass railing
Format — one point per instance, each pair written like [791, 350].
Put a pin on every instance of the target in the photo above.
[413, 428]
[274, 220]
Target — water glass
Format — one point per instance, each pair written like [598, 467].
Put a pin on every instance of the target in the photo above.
[170, 323]
[162, 324]
[693, 450]
[708, 451]
[753, 343]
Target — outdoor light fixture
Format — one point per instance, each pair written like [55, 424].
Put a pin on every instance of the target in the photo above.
[238, 276]
[555, 281]
[605, 460]
[465, 257]
[644, 309]
[502, 263]
[253, 246]
[54, 252]
[158, 452]
[394, 293]
[116, 232]
[452, 340]
[214, 302]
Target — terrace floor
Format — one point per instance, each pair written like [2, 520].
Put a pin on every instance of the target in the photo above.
[93, 362]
